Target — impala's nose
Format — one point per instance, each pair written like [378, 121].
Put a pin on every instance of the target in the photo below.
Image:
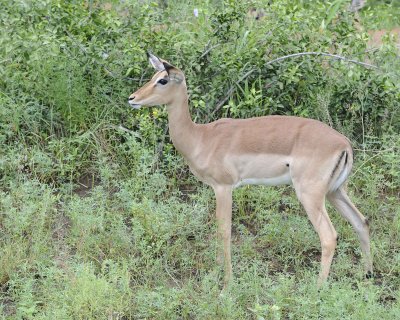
[131, 98]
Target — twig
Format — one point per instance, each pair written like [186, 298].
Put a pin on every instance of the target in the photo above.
[209, 49]
[378, 153]
[170, 275]
[373, 49]
[120, 127]
[160, 149]
[321, 54]
[230, 91]
[5, 60]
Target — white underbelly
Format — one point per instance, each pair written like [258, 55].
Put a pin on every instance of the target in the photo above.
[273, 181]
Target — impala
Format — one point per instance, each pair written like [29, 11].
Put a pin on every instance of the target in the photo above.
[270, 150]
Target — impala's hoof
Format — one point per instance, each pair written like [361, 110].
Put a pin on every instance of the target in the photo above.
[369, 275]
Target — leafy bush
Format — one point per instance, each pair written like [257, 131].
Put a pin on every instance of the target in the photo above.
[69, 68]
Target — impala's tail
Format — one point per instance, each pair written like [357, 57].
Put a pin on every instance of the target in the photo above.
[342, 169]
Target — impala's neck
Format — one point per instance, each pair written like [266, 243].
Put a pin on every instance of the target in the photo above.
[182, 130]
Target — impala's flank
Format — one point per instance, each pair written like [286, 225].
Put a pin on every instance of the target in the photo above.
[270, 150]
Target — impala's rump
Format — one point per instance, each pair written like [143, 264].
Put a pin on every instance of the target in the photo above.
[342, 170]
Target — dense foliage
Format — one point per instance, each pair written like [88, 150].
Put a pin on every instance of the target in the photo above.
[100, 218]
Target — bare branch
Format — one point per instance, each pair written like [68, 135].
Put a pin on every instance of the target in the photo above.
[357, 5]
[321, 54]
[230, 91]
[209, 49]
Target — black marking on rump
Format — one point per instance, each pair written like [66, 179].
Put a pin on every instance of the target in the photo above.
[337, 163]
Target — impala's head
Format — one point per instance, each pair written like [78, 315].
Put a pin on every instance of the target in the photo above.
[163, 88]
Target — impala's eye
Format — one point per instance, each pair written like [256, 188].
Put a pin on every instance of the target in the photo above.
[163, 81]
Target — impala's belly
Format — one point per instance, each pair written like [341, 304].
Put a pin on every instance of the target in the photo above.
[270, 170]
[273, 181]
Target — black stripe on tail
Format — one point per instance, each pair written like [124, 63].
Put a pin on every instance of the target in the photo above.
[337, 163]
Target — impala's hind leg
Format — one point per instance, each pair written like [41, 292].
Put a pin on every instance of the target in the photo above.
[343, 204]
[313, 201]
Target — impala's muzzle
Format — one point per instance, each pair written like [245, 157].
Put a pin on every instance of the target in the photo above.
[132, 103]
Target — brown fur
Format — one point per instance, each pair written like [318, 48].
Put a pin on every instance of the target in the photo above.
[270, 150]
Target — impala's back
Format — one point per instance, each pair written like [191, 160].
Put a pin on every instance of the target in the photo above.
[268, 150]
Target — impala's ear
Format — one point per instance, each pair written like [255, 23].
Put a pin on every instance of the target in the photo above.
[155, 62]
[173, 72]
[167, 66]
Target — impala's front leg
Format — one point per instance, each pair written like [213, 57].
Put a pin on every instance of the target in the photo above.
[223, 195]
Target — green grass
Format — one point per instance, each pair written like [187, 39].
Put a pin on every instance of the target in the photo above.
[381, 14]
[100, 217]
[111, 255]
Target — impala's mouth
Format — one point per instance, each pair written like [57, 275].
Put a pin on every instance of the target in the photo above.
[135, 106]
